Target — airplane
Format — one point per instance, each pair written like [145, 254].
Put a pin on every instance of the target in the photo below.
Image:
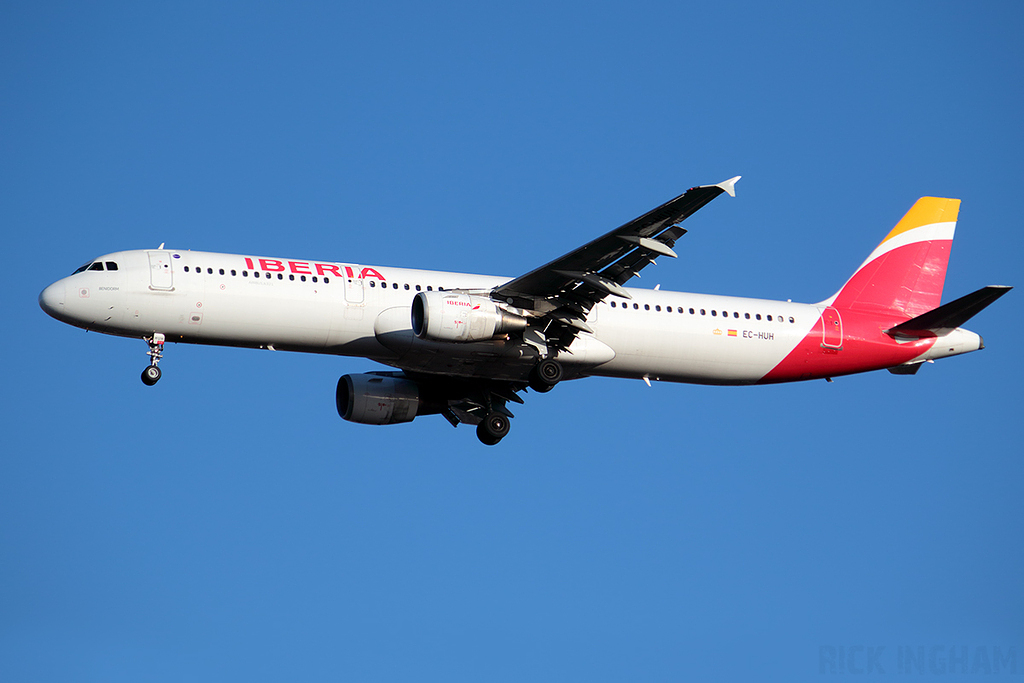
[465, 346]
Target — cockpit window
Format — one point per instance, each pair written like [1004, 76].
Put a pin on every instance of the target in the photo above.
[80, 269]
[111, 265]
[96, 266]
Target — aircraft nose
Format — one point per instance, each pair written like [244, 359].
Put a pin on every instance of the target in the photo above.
[51, 299]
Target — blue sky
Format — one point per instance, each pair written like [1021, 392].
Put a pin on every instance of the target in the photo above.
[226, 524]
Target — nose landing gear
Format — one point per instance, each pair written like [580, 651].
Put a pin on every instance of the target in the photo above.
[151, 375]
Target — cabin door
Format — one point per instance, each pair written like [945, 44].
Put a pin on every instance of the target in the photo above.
[160, 275]
[832, 329]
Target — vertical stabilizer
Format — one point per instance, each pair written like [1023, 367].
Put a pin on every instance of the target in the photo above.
[905, 273]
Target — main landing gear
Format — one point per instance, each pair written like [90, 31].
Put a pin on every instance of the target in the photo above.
[151, 375]
[496, 423]
[493, 428]
[546, 374]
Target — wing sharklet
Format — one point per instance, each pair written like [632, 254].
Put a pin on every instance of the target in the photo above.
[729, 186]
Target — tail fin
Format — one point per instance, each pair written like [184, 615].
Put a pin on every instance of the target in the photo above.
[905, 273]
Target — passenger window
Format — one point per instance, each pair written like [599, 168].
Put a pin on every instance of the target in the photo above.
[658, 309]
[268, 276]
[245, 273]
[291, 276]
[429, 288]
[680, 310]
[714, 312]
[314, 278]
[612, 304]
[186, 269]
[725, 314]
[209, 271]
[327, 280]
[747, 316]
[280, 276]
[691, 311]
[735, 314]
[233, 273]
[636, 307]
[302, 277]
[221, 271]
[647, 307]
[417, 288]
[791, 319]
[758, 316]
[111, 265]
[702, 312]
[769, 318]
[372, 283]
[407, 286]
[394, 285]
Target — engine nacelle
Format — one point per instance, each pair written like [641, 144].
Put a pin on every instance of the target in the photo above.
[452, 317]
[377, 399]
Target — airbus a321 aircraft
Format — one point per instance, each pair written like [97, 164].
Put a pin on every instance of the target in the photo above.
[465, 346]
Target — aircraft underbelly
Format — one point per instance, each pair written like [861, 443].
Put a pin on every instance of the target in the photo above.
[249, 313]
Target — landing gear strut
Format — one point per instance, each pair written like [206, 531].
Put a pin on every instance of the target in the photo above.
[493, 428]
[151, 375]
[546, 374]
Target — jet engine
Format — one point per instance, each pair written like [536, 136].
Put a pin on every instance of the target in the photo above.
[452, 317]
[378, 399]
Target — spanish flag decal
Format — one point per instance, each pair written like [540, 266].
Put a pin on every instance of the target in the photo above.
[732, 333]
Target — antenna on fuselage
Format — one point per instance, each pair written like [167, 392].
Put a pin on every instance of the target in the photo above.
[161, 245]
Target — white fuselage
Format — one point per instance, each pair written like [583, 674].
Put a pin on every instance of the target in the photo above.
[301, 305]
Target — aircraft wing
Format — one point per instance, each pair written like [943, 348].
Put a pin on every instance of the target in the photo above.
[565, 289]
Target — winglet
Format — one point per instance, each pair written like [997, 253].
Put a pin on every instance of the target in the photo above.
[729, 186]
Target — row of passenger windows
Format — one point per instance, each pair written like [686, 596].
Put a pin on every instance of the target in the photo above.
[96, 265]
[394, 285]
[302, 278]
[255, 274]
[418, 288]
[702, 311]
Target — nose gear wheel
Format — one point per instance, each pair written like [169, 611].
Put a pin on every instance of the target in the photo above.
[151, 375]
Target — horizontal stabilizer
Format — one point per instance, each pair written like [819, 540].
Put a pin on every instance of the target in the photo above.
[949, 316]
[907, 368]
